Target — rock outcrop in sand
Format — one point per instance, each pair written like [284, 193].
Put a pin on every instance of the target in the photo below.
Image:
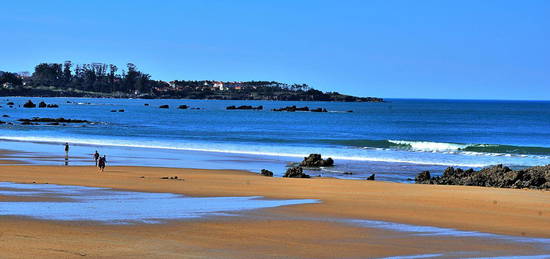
[537, 177]
[265, 172]
[295, 172]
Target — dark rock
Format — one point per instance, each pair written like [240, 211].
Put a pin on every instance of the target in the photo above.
[169, 178]
[165, 106]
[2, 122]
[113, 110]
[29, 104]
[315, 160]
[146, 104]
[371, 177]
[10, 103]
[121, 110]
[265, 172]
[319, 110]
[348, 173]
[52, 106]
[496, 176]
[244, 107]
[42, 104]
[183, 107]
[45, 120]
[349, 111]
[5, 116]
[423, 177]
[292, 108]
[54, 123]
[295, 172]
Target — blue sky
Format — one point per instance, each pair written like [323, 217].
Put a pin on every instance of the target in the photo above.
[410, 49]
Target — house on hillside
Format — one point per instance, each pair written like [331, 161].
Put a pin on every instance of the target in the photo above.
[219, 86]
[7, 85]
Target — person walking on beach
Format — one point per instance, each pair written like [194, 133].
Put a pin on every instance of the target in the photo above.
[96, 157]
[101, 164]
[66, 153]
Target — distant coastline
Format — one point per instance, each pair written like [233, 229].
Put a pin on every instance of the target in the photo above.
[105, 80]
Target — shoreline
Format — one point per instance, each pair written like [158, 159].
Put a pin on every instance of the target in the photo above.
[47, 153]
[304, 231]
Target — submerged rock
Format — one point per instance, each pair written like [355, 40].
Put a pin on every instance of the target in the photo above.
[315, 160]
[165, 106]
[537, 177]
[29, 104]
[244, 107]
[292, 108]
[319, 110]
[183, 107]
[295, 172]
[46, 120]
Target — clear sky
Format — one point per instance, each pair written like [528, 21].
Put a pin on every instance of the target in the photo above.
[478, 49]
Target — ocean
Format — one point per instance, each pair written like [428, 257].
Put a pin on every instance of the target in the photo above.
[394, 140]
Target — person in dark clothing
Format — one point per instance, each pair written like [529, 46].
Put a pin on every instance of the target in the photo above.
[101, 164]
[66, 153]
[96, 157]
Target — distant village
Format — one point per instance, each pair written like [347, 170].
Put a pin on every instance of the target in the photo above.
[103, 80]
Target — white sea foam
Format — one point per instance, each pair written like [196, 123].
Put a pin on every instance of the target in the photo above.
[298, 152]
[429, 146]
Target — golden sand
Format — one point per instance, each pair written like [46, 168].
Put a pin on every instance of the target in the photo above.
[282, 232]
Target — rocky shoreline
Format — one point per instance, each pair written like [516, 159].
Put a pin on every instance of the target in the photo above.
[537, 177]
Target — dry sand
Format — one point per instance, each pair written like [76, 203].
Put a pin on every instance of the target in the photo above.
[277, 232]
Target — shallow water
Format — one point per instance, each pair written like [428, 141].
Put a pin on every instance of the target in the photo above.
[538, 248]
[123, 207]
[447, 232]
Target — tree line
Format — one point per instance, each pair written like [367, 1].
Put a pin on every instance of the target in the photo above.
[95, 77]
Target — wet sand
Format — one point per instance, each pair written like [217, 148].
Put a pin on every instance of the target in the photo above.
[289, 231]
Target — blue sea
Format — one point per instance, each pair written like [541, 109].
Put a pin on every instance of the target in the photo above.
[394, 140]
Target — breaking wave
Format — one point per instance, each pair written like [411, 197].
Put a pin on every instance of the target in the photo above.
[444, 147]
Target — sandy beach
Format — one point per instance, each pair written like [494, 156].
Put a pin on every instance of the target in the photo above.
[288, 231]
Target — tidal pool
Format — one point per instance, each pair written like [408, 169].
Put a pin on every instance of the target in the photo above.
[78, 203]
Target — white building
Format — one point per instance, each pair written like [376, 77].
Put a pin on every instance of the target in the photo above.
[220, 86]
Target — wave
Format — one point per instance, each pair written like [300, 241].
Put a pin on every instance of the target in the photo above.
[246, 150]
[447, 147]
